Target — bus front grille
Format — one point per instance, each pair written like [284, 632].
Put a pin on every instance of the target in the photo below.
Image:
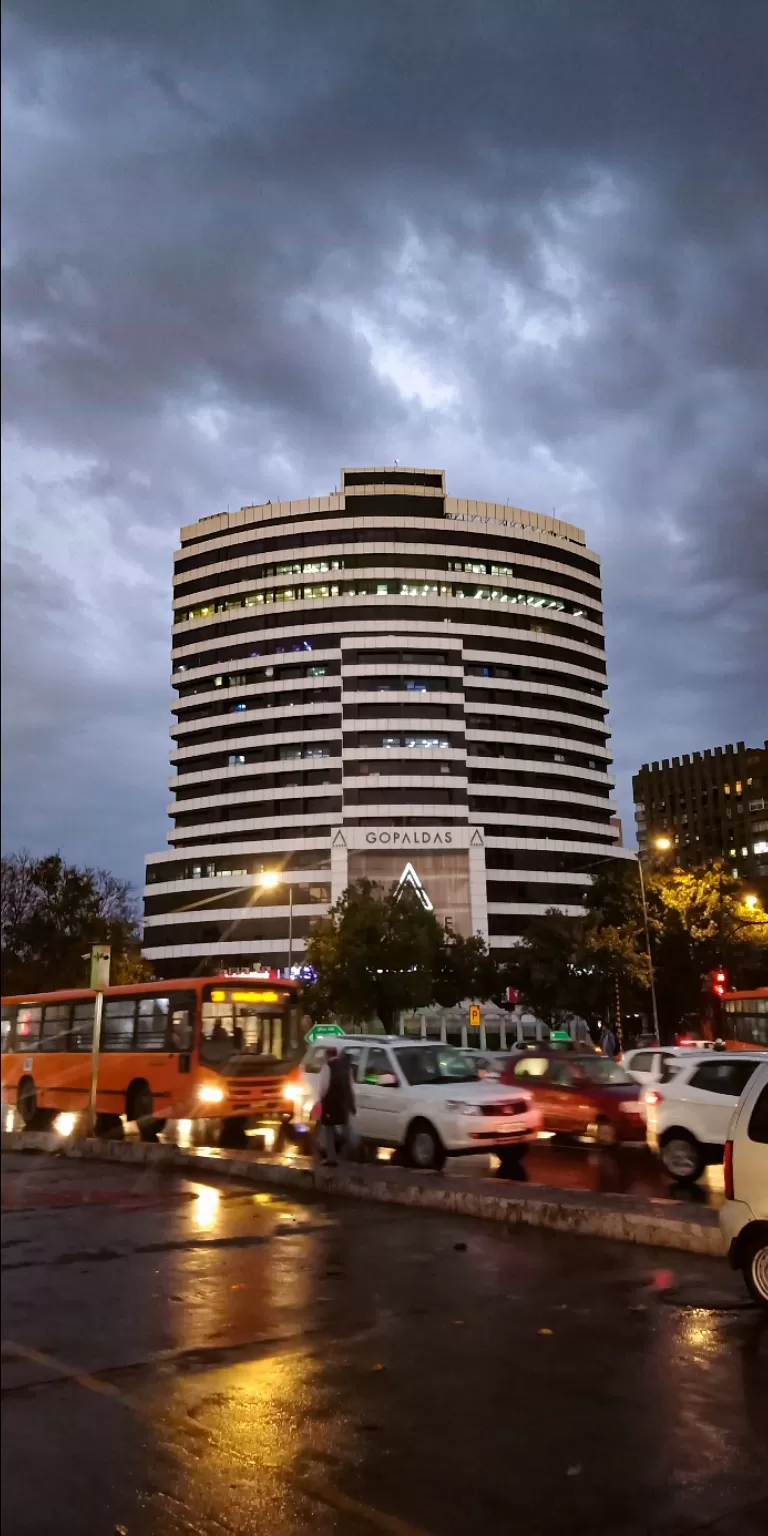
[257, 1096]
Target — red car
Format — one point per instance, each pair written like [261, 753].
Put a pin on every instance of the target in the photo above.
[585, 1095]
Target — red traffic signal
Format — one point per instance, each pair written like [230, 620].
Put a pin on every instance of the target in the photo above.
[719, 982]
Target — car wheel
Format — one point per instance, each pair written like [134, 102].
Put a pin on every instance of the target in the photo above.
[754, 1264]
[682, 1156]
[510, 1158]
[603, 1133]
[423, 1148]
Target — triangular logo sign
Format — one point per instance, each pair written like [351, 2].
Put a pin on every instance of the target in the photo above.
[476, 840]
[339, 840]
[410, 877]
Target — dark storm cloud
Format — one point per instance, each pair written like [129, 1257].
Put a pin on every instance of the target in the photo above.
[248, 243]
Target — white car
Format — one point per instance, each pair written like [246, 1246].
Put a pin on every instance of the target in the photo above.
[650, 1063]
[744, 1217]
[689, 1110]
[428, 1101]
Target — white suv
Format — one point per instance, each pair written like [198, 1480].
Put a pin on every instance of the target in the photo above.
[744, 1217]
[689, 1110]
[428, 1100]
[650, 1063]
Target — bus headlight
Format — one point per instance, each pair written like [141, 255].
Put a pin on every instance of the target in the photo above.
[294, 1093]
[208, 1094]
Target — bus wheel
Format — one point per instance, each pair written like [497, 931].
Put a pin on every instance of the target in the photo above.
[139, 1106]
[26, 1102]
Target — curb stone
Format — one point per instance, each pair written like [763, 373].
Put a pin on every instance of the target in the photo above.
[622, 1218]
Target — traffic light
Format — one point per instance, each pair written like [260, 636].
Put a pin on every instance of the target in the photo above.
[718, 982]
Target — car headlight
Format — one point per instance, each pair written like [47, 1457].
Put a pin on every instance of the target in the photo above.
[459, 1107]
[208, 1094]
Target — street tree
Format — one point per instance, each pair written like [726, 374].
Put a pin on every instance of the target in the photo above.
[380, 952]
[698, 919]
[587, 965]
[51, 914]
[701, 919]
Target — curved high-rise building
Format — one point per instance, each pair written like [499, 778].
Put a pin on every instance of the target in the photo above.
[387, 682]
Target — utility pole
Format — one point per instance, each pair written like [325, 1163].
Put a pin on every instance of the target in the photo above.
[648, 948]
[101, 955]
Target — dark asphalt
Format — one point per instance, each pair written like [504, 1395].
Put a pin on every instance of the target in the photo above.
[181, 1357]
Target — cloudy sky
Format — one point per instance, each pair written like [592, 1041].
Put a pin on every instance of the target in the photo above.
[249, 241]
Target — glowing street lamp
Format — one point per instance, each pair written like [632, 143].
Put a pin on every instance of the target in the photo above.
[751, 901]
[663, 844]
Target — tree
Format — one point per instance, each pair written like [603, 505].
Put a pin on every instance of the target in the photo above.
[541, 967]
[53, 912]
[574, 965]
[380, 952]
[466, 969]
[699, 920]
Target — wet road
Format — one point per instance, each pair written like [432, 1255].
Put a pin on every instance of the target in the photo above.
[181, 1357]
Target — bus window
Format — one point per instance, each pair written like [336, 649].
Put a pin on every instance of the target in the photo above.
[81, 1031]
[182, 1033]
[276, 1046]
[9, 1019]
[117, 1024]
[152, 1024]
[55, 1034]
[28, 1019]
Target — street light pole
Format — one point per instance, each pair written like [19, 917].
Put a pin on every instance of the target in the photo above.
[270, 879]
[648, 947]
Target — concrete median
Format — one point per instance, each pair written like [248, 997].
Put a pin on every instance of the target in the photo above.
[658, 1222]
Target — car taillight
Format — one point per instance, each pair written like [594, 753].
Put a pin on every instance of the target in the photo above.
[652, 1097]
[728, 1169]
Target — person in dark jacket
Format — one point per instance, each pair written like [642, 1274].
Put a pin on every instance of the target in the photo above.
[337, 1103]
[608, 1042]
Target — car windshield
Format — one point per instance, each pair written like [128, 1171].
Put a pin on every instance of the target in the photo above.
[599, 1069]
[423, 1064]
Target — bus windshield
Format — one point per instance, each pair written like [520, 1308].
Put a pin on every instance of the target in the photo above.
[239, 1024]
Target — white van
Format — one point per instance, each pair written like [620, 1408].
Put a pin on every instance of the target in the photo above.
[744, 1216]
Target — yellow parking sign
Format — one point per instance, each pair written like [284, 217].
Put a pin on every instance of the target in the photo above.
[474, 1015]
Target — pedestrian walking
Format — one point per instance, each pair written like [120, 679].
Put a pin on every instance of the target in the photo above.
[608, 1043]
[337, 1104]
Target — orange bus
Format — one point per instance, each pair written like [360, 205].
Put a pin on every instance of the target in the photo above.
[216, 1048]
[744, 1019]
